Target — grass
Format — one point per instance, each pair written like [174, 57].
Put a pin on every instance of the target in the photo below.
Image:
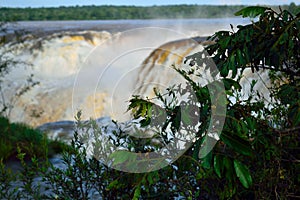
[30, 141]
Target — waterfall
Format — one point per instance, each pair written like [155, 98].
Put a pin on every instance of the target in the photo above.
[54, 61]
[96, 71]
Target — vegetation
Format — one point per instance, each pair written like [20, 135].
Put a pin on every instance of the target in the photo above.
[16, 137]
[255, 157]
[124, 12]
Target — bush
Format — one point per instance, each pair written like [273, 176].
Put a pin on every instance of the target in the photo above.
[255, 156]
[33, 143]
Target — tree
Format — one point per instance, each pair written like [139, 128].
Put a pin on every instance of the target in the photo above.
[293, 8]
[260, 136]
[256, 154]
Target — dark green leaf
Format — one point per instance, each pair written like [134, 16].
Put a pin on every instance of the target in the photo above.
[218, 165]
[251, 11]
[243, 174]
[229, 83]
[207, 160]
[224, 42]
[224, 70]
[238, 144]
[228, 168]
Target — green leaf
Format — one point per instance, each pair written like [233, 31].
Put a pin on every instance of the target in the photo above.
[242, 61]
[139, 107]
[150, 179]
[224, 42]
[218, 165]
[224, 70]
[113, 184]
[137, 192]
[120, 157]
[238, 144]
[251, 123]
[197, 146]
[207, 160]
[229, 83]
[227, 162]
[242, 173]
[251, 11]
[232, 65]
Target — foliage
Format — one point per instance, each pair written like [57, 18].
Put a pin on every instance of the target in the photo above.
[116, 12]
[260, 136]
[16, 137]
[255, 157]
[123, 12]
[277, 34]
[84, 177]
[22, 184]
[19, 141]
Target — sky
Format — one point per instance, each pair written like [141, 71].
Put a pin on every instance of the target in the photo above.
[57, 3]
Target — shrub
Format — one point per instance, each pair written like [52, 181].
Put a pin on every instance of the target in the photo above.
[255, 156]
[29, 141]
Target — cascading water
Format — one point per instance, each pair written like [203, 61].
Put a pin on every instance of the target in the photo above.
[90, 59]
[97, 71]
[55, 61]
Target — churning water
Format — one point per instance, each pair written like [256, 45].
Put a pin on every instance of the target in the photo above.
[95, 66]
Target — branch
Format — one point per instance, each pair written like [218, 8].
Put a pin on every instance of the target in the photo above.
[288, 130]
[287, 71]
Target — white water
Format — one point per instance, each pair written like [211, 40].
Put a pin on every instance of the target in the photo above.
[97, 71]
